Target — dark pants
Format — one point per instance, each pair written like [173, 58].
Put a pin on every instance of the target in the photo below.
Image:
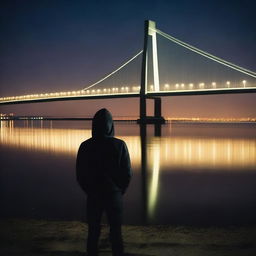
[112, 205]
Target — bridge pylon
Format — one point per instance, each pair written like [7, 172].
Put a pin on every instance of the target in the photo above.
[150, 30]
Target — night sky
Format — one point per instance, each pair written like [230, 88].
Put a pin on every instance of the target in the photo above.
[49, 46]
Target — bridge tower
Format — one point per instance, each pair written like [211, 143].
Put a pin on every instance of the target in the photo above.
[150, 32]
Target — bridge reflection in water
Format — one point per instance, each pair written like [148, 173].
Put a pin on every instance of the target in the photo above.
[149, 154]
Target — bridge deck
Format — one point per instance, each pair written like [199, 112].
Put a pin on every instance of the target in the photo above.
[130, 95]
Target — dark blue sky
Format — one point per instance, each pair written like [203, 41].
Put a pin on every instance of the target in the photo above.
[63, 45]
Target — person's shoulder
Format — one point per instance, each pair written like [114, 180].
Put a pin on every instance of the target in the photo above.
[86, 143]
[118, 141]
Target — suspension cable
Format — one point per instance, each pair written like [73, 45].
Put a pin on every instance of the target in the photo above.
[206, 54]
[112, 73]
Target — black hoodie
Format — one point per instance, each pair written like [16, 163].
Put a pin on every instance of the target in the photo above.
[103, 163]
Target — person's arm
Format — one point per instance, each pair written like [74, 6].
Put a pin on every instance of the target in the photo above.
[81, 168]
[125, 168]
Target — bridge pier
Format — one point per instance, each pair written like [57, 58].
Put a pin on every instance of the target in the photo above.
[157, 118]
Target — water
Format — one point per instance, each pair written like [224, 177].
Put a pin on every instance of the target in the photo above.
[195, 174]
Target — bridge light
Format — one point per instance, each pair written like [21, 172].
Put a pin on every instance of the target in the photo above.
[87, 91]
[98, 90]
[104, 90]
[151, 87]
[166, 86]
[191, 85]
[201, 85]
[177, 85]
[182, 85]
[213, 84]
[244, 82]
[93, 91]
[228, 83]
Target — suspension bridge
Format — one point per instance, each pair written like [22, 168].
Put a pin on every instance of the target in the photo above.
[166, 66]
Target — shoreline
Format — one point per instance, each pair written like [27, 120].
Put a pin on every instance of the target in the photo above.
[188, 122]
[48, 237]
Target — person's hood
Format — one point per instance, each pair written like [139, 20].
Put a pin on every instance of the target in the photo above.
[102, 124]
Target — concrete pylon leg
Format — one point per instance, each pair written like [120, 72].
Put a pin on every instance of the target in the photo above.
[143, 109]
[158, 107]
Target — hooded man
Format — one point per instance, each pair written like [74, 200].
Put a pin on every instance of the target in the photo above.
[103, 171]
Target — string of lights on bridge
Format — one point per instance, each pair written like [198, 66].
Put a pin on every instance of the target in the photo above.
[129, 89]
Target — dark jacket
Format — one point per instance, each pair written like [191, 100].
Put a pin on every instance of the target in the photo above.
[103, 163]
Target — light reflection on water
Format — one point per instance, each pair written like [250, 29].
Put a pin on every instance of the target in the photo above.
[170, 153]
[175, 152]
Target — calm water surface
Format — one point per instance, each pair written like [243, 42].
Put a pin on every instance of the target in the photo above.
[191, 174]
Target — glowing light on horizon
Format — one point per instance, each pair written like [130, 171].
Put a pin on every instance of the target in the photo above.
[166, 86]
[201, 85]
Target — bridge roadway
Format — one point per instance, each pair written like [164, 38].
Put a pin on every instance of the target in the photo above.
[129, 95]
[149, 94]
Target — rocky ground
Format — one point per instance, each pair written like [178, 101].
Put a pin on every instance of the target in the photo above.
[67, 238]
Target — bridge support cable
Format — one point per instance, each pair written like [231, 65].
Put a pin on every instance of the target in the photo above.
[186, 69]
[114, 72]
[207, 55]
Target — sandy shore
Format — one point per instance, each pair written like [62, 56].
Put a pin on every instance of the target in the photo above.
[67, 238]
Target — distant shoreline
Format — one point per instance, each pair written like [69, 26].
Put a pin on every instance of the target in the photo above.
[168, 121]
